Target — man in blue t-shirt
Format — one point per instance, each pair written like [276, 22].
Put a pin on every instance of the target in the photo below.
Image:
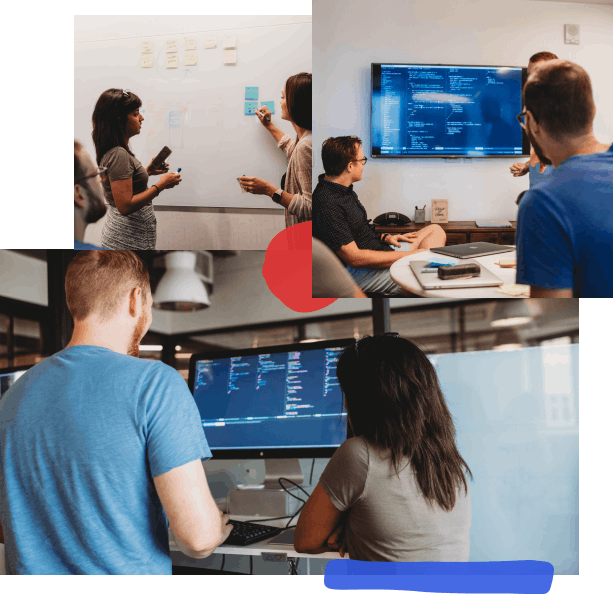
[89, 205]
[565, 223]
[100, 450]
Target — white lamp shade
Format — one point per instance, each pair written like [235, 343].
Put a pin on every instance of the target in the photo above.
[181, 289]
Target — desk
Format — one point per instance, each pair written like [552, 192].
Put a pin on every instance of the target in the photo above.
[403, 275]
[459, 232]
[263, 546]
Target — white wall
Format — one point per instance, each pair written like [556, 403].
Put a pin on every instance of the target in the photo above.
[210, 228]
[348, 38]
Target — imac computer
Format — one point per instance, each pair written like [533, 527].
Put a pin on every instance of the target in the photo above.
[450, 111]
[276, 403]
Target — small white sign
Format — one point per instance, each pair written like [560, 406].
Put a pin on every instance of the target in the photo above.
[229, 56]
[146, 47]
[190, 43]
[191, 58]
[210, 42]
[229, 41]
[171, 46]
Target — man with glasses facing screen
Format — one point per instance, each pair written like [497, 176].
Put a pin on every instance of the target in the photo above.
[340, 221]
[89, 203]
[565, 223]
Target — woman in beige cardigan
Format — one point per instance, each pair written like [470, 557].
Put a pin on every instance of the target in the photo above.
[295, 197]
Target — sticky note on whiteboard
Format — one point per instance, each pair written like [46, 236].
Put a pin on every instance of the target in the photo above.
[250, 107]
[269, 104]
[191, 58]
[146, 47]
[171, 61]
[251, 93]
[229, 41]
[210, 42]
[190, 43]
[229, 56]
[146, 61]
[171, 46]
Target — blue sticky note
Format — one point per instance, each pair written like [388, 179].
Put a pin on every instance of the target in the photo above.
[269, 104]
[251, 93]
[250, 107]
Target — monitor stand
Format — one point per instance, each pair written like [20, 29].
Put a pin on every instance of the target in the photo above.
[277, 468]
[268, 500]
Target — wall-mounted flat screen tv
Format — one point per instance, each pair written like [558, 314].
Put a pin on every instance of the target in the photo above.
[434, 110]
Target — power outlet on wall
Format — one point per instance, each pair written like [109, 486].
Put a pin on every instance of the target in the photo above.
[571, 34]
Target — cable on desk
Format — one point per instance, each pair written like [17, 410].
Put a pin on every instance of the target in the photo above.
[295, 485]
[312, 467]
[250, 564]
[258, 520]
[223, 562]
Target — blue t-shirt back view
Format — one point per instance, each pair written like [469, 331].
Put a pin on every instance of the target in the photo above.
[565, 228]
[82, 434]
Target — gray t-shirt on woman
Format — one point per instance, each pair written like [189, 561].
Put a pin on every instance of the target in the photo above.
[389, 518]
[136, 231]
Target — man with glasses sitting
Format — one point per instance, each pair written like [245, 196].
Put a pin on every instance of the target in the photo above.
[565, 223]
[89, 203]
[340, 221]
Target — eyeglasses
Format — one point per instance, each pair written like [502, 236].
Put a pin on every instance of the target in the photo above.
[101, 171]
[363, 161]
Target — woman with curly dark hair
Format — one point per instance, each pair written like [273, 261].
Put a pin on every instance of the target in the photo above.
[131, 223]
[295, 196]
[396, 490]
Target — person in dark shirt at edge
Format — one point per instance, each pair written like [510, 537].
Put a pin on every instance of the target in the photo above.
[340, 221]
[89, 204]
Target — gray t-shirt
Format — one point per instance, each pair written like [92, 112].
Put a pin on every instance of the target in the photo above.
[389, 518]
[330, 277]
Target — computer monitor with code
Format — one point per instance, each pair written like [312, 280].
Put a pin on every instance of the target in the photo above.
[271, 402]
[451, 111]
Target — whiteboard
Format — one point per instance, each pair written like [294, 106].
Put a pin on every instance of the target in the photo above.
[198, 111]
[517, 420]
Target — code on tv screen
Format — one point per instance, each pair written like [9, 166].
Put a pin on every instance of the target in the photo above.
[422, 110]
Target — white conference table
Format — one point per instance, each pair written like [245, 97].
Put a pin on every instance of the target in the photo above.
[403, 275]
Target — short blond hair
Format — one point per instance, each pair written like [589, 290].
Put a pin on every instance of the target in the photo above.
[97, 281]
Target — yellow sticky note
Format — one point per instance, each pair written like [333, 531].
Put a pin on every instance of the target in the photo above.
[229, 56]
[171, 61]
[210, 42]
[190, 43]
[146, 47]
[191, 58]
[171, 46]
[146, 61]
[229, 41]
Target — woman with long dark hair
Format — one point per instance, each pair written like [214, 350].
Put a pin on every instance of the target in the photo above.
[295, 193]
[396, 490]
[131, 223]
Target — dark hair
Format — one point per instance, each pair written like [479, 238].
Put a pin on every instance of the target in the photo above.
[336, 153]
[299, 99]
[542, 57]
[559, 95]
[97, 281]
[79, 170]
[110, 118]
[394, 399]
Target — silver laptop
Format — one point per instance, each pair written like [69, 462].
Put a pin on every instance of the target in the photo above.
[430, 280]
[473, 250]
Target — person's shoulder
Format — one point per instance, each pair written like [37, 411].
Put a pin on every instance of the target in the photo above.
[305, 143]
[356, 448]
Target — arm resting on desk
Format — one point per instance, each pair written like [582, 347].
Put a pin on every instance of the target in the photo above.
[316, 523]
[193, 516]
